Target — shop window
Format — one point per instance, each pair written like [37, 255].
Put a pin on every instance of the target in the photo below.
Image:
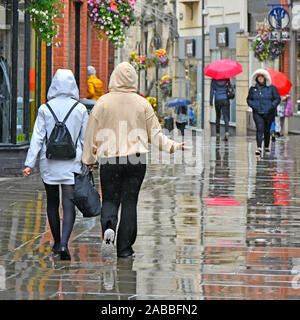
[5, 67]
[191, 74]
[191, 13]
[298, 78]
[20, 75]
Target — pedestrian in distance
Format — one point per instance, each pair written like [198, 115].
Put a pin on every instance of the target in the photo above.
[95, 85]
[218, 92]
[192, 114]
[263, 98]
[63, 96]
[120, 126]
[182, 118]
[280, 116]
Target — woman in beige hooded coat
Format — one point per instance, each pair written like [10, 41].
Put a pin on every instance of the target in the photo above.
[120, 126]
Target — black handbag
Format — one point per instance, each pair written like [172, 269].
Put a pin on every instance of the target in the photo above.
[230, 91]
[86, 197]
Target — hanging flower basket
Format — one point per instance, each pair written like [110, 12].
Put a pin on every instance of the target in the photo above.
[139, 62]
[160, 58]
[111, 18]
[264, 48]
[42, 16]
[165, 86]
[153, 103]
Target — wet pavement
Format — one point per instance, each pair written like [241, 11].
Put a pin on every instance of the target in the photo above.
[223, 226]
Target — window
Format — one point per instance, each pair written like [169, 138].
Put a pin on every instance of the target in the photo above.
[5, 67]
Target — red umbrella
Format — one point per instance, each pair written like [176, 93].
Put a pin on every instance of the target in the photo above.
[280, 81]
[223, 69]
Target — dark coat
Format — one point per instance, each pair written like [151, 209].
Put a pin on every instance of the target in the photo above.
[263, 99]
[218, 89]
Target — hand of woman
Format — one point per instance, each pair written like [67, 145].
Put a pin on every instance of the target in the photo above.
[91, 167]
[26, 172]
[183, 147]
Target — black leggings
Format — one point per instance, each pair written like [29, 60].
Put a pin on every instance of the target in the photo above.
[263, 124]
[224, 107]
[121, 184]
[52, 192]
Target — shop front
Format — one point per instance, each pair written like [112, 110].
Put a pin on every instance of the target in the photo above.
[190, 86]
[22, 84]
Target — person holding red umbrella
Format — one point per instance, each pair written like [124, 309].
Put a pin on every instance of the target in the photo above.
[221, 71]
[218, 90]
[263, 98]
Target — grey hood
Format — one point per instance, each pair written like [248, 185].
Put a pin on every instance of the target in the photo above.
[124, 78]
[263, 72]
[63, 84]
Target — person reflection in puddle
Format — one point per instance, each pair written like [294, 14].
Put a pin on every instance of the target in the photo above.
[220, 182]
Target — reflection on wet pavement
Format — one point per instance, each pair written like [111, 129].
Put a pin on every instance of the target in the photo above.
[223, 226]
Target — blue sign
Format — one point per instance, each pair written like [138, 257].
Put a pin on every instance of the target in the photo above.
[279, 18]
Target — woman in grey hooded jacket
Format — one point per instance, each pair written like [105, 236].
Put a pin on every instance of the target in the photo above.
[62, 95]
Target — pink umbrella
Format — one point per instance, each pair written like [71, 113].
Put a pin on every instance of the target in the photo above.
[223, 69]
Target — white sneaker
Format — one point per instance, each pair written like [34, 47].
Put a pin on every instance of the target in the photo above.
[107, 246]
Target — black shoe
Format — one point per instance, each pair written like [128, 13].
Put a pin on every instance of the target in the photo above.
[126, 254]
[267, 150]
[64, 253]
[226, 138]
[56, 249]
[277, 134]
[273, 136]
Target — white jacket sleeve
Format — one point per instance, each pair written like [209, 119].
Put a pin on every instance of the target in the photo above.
[83, 127]
[37, 140]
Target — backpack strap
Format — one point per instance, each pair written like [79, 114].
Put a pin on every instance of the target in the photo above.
[68, 114]
[54, 116]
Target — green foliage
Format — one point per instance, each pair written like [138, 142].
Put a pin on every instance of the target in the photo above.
[42, 16]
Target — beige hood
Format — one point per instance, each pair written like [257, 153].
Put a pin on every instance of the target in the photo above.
[123, 79]
[263, 72]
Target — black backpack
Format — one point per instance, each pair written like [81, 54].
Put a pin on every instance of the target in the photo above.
[230, 90]
[60, 145]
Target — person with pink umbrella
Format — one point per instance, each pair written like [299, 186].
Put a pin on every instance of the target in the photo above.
[221, 90]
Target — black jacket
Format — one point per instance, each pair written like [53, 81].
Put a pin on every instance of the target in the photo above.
[263, 99]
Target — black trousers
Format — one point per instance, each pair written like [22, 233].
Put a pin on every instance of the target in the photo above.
[53, 201]
[121, 185]
[181, 126]
[263, 124]
[224, 107]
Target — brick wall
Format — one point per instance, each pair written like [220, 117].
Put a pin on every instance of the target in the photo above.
[284, 60]
[102, 54]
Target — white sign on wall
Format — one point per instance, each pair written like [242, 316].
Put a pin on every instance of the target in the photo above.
[296, 17]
